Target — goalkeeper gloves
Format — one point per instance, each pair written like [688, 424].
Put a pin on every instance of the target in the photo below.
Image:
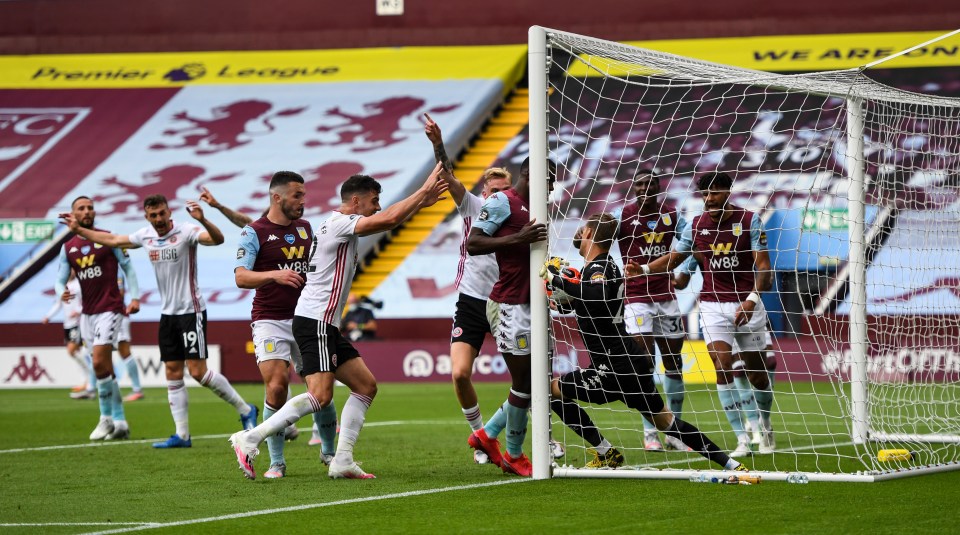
[552, 267]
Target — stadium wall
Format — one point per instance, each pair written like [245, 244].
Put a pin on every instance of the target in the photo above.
[64, 26]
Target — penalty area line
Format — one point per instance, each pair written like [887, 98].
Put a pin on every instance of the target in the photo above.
[72, 524]
[308, 506]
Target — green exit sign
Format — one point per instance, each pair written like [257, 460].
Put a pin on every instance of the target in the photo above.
[26, 231]
[825, 219]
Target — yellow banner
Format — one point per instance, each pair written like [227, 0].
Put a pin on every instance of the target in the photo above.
[237, 68]
[808, 52]
[697, 366]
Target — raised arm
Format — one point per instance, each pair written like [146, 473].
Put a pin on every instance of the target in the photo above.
[429, 193]
[212, 236]
[432, 130]
[238, 219]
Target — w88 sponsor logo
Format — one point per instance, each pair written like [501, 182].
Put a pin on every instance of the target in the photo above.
[89, 273]
[725, 262]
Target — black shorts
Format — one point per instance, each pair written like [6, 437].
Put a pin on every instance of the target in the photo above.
[470, 323]
[72, 335]
[626, 382]
[322, 347]
[183, 337]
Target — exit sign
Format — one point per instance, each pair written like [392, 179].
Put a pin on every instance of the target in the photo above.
[26, 231]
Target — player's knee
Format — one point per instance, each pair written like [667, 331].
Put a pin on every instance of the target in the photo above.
[198, 375]
[759, 379]
[276, 395]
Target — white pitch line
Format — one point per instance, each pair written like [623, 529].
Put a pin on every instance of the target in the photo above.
[209, 437]
[305, 507]
[51, 524]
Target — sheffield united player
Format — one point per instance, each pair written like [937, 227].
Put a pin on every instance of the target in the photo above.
[272, 257]
[476, 276]
[652, 315]
[729, 244]
[617, 362]
[325, 354]
[172, 247]
[97, 268]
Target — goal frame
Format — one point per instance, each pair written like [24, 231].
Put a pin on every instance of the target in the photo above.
[543, 468]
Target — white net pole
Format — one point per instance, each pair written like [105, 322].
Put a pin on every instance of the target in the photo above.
[539, 314]
[856, 205]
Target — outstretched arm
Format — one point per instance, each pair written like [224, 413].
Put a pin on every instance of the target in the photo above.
[428, 194]
[97, 236]
[432, 130]
[212, 236]
[479, 243]
[238, 219]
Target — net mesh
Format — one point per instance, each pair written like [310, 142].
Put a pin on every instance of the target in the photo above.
[614, 110]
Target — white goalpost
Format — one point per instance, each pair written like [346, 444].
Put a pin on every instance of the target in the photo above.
[857, 184]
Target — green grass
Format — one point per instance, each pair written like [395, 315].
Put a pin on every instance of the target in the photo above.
[415, 440]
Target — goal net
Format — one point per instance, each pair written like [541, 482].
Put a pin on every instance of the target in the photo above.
[857, 185]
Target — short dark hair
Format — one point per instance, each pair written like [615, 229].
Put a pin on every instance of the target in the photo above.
[551, 168]
[282, 178]
[716, 180]
[645, 171]
[80, 198]
[359, 184]
[154, 200]
[604, 228]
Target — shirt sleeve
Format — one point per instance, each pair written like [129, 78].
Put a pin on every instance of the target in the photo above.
[136, 238]
[133, 287]
[469, 205]
[248, 248]
[63, 273]
[758, 236]
[494, 212]
[193, 233]
[685, 241]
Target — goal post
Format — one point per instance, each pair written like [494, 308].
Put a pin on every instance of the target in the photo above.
[857, 185]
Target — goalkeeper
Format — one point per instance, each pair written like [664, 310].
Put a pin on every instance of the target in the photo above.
[596, 295]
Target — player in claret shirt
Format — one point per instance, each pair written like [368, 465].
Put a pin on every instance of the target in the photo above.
[97, 268]
[652, 315]
[617, 362]
[730, 246]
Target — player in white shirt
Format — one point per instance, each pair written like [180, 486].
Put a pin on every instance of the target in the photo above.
[71, 337]
[476, 276]
[172, 247]
[325, 354]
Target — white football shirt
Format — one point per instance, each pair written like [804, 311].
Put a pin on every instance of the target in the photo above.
[476, 275]
[174, 259]
[333, 262]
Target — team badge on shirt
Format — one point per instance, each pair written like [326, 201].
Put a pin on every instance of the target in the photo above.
[302, 232]
[97, 246]
[667, 220]
[737, 229]
[598, 276]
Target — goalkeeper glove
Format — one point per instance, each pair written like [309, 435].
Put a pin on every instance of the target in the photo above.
[552, 267]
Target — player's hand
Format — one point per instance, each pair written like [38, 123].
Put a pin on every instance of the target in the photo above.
[70, 221]
[680, 280]
[532, 232]
[66, 297]
[434, 187]
[195, 210]
[432, 130]
[288, 277]
[208, 198]
[552, 267]
[133, 307]
[45, 321]
[744, 313]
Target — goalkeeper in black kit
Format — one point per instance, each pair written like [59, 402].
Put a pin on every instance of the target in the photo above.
[619, 367]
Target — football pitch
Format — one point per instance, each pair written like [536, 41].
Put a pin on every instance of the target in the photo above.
[52, 480]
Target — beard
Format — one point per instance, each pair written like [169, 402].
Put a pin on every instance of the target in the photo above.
[291, 212]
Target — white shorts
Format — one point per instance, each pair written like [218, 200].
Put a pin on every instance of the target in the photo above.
[716, 321]
[273, 340]
[767, 342]
[100, 329]
[510, 325]
[124, 335]
[659, 319]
